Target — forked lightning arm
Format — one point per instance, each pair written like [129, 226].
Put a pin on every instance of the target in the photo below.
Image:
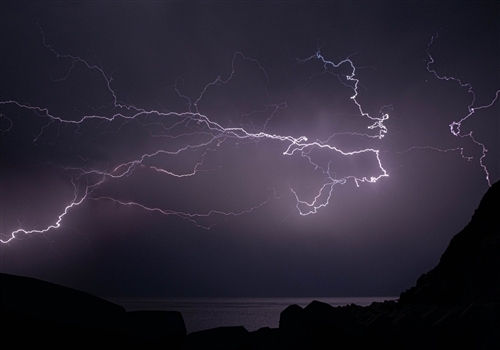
[214, 134]
[456, 126]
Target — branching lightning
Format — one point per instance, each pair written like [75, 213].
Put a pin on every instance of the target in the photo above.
[212, 135]
[456, 125]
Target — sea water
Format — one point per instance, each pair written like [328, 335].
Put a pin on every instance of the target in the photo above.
[252, 313]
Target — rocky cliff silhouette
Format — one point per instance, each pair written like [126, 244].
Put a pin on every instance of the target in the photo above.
[456, 304]
[469, 269]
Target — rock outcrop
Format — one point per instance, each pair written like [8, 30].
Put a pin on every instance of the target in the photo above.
[469, 269]
[456, 304]
[35, 312]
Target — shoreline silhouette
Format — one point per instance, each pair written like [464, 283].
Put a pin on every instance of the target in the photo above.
[457, 303]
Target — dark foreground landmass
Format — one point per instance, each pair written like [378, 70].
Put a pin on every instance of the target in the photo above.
[457, 304]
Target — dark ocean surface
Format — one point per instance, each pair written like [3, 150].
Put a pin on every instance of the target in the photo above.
[252, 313]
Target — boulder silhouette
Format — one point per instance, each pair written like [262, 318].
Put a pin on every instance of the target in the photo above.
[43, 313]
[230, 338]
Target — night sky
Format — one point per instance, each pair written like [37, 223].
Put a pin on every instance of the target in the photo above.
[218, 95]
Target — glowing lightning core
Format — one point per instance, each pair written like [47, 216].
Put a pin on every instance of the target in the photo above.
[215, 134]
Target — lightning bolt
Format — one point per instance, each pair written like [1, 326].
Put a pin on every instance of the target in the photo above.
[211, 135]
[456, 125]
